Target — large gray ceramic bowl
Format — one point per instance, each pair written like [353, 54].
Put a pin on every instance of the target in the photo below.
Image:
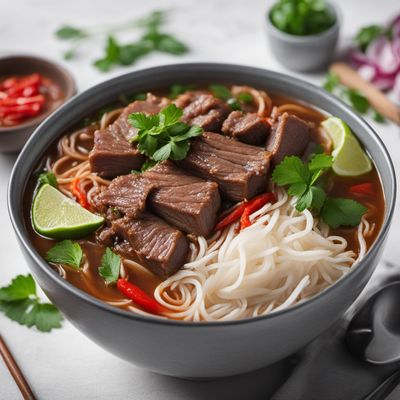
[196, 350]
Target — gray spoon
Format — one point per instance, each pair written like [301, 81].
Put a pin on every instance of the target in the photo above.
[373, 335]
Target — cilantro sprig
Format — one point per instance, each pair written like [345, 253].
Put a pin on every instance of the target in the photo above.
[352, 97]
[66, 252]
[110, 266]
[115, 53]
[20, 302]
[302, 181]
[162, 136]
[49, 178]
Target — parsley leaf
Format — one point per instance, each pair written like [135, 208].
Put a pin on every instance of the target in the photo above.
[305, 200]
[163, 136]
[320, 161]
[68, 32]
[110, 266]
[66, 252]
[357, 100]
[20, 303]
[336, 212]
[49, 178]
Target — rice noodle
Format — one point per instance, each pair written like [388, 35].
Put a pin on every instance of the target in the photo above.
[283, 258]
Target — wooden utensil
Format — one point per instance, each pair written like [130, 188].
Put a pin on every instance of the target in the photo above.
[15, 371]
[350, 78]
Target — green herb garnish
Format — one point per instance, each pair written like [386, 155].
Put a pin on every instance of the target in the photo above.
[223, 93]
[20, 303]
[301, 17]
[177, 89]
[352, 97]
[145, 166]
[303, 182]
[162, 136]
[115, 53]
[110, 266]
[66, 252]
[48, 177]
[367, 35]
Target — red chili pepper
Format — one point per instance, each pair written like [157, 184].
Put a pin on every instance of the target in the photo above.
[254, 205]
[24, 110]
[20, 84]
[231, 217]
[79, 194]
[141, 298]
[15, 101]
[366, 188]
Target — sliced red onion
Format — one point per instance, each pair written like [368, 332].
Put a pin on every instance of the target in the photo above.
[367, 72]
[380, 52]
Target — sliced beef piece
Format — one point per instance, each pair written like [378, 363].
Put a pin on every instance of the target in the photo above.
[112, 153]
[239, 169]
[247, 127]
[160, 247]
[290, 136]
[188, 202]
[183, 200]
[203, 109]
[126, 194]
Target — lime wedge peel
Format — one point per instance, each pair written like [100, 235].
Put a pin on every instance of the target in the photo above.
[349, 158]
[55, 215]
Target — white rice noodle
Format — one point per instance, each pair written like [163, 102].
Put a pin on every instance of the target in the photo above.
[283, 258]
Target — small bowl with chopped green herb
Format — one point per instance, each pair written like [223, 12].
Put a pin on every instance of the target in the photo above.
[303, 33]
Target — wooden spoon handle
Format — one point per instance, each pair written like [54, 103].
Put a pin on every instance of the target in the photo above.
[350, 78]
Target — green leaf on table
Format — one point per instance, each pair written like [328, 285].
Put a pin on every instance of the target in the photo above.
[19, 288]
[68, 32]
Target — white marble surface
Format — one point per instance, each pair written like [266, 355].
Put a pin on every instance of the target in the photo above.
[64, 364]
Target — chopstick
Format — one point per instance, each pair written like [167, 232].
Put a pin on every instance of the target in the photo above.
[15, 371]
[350, 78]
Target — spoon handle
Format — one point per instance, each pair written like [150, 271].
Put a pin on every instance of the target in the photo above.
[385, 388]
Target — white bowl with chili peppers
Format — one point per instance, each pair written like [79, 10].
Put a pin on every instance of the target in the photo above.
[31, 88]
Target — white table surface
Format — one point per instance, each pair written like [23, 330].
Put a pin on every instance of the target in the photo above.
[65, 364]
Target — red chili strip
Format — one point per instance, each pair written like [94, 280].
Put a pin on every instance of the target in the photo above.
[254, 205]
[19, 101]
[231, 217]
[79, 194]
[366, 188]
[141, 298]
[16, 88]
[20, 111]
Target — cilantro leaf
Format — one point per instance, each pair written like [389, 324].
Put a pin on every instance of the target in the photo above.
[172, 114]
[320, 161]
[245, 97]
[163, 153]
[111, 57]
[66, 252]
[367, 35]
[357, 100]
[332, 81]
[165, 43]
[305, 200]
[20, 303]
[378, 117]
[336, 212]
[318, 198]
[220, 91]
[68, 32]
[297, 189]
[19, 288]
[291, 170]
[48, 177]
[110, 266]
[179, 150]
[177, 89]
[142, 121]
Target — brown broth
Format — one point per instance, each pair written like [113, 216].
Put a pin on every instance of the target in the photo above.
[89, 280]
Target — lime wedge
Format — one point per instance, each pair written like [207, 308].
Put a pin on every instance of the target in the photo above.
[56, 216]
[349, 159]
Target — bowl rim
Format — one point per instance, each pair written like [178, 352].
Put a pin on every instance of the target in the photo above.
[66, 76]
[306, 39]
[23, 237]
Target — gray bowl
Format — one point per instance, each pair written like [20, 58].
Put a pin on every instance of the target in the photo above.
[304, 53]
[196, 350]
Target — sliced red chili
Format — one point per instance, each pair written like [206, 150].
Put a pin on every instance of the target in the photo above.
[24, 110]
[231, 217]
[20, 84]
[252, 206]
[141, 298]
[17, 101]
[366, 188]
[79, 194]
